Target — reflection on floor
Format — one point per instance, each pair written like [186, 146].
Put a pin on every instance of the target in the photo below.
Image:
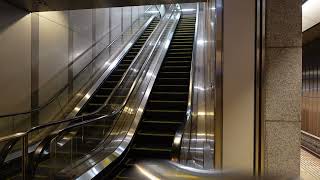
[309, 166]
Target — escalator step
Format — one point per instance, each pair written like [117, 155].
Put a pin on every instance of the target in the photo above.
[114, 77]
[176, 68]
[110, 83]
[177, 63]
[173, 81]
[165, 126]
[185, 57]
[171, 88]
[99, 99]
[119, 71]
[160, 151]
[174, 74]
[167, 105]
[154, 140]
[105, 91]
[176, 96]
[158, 115]
[180, 49]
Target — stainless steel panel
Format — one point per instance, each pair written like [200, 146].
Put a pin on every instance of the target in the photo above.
[259, 93]
[115, 22]
[239, 48]
[15, 94]
[217, 7]
[34, 68]
[197, 139]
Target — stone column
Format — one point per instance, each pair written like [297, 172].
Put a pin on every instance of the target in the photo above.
[282, 87]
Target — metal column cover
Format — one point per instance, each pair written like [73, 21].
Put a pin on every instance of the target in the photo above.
[34, 68]
[239, 27]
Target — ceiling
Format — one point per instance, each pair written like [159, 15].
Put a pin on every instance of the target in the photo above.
[310, 20]
[58, 5]
[310, 14]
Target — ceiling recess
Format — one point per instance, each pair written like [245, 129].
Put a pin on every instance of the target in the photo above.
[58, 5]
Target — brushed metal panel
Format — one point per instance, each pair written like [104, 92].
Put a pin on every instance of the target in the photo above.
[238, 84]
[53, 58]
[15, 30]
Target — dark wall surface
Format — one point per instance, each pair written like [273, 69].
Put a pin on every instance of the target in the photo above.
[54, 5]
[311, 88]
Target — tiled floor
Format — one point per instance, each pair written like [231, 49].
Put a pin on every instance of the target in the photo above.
[309, 166]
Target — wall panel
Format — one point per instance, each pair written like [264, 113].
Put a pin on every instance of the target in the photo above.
[126, 17]
[115, 22]
[81, 25]
[102, 29]
[15, 59]
[53, 58]
[238, 84]
[135, 13]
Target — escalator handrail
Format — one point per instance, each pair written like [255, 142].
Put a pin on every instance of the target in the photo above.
[44, 144]
[56, 95]
[12, 138]
[177, 142]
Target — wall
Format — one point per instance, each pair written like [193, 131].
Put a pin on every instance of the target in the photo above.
[282, 87]
[15, 47]
[310, 96]
[310, 88]
[56, 45]
[238, 85]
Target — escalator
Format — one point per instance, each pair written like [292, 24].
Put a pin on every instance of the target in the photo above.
[166, 108]
[88, 137]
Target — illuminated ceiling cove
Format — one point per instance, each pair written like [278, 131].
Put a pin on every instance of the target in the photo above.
[310, 14]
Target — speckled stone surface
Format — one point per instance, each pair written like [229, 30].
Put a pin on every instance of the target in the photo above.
[283, 23]
[283, 76]
[282, 148]
[282, 87]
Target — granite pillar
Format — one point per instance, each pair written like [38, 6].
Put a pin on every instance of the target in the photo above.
[282, 87]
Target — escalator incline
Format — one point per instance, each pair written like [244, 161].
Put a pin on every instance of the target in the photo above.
[167, 104]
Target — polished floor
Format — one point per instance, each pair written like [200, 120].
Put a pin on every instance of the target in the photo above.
[309, 166]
